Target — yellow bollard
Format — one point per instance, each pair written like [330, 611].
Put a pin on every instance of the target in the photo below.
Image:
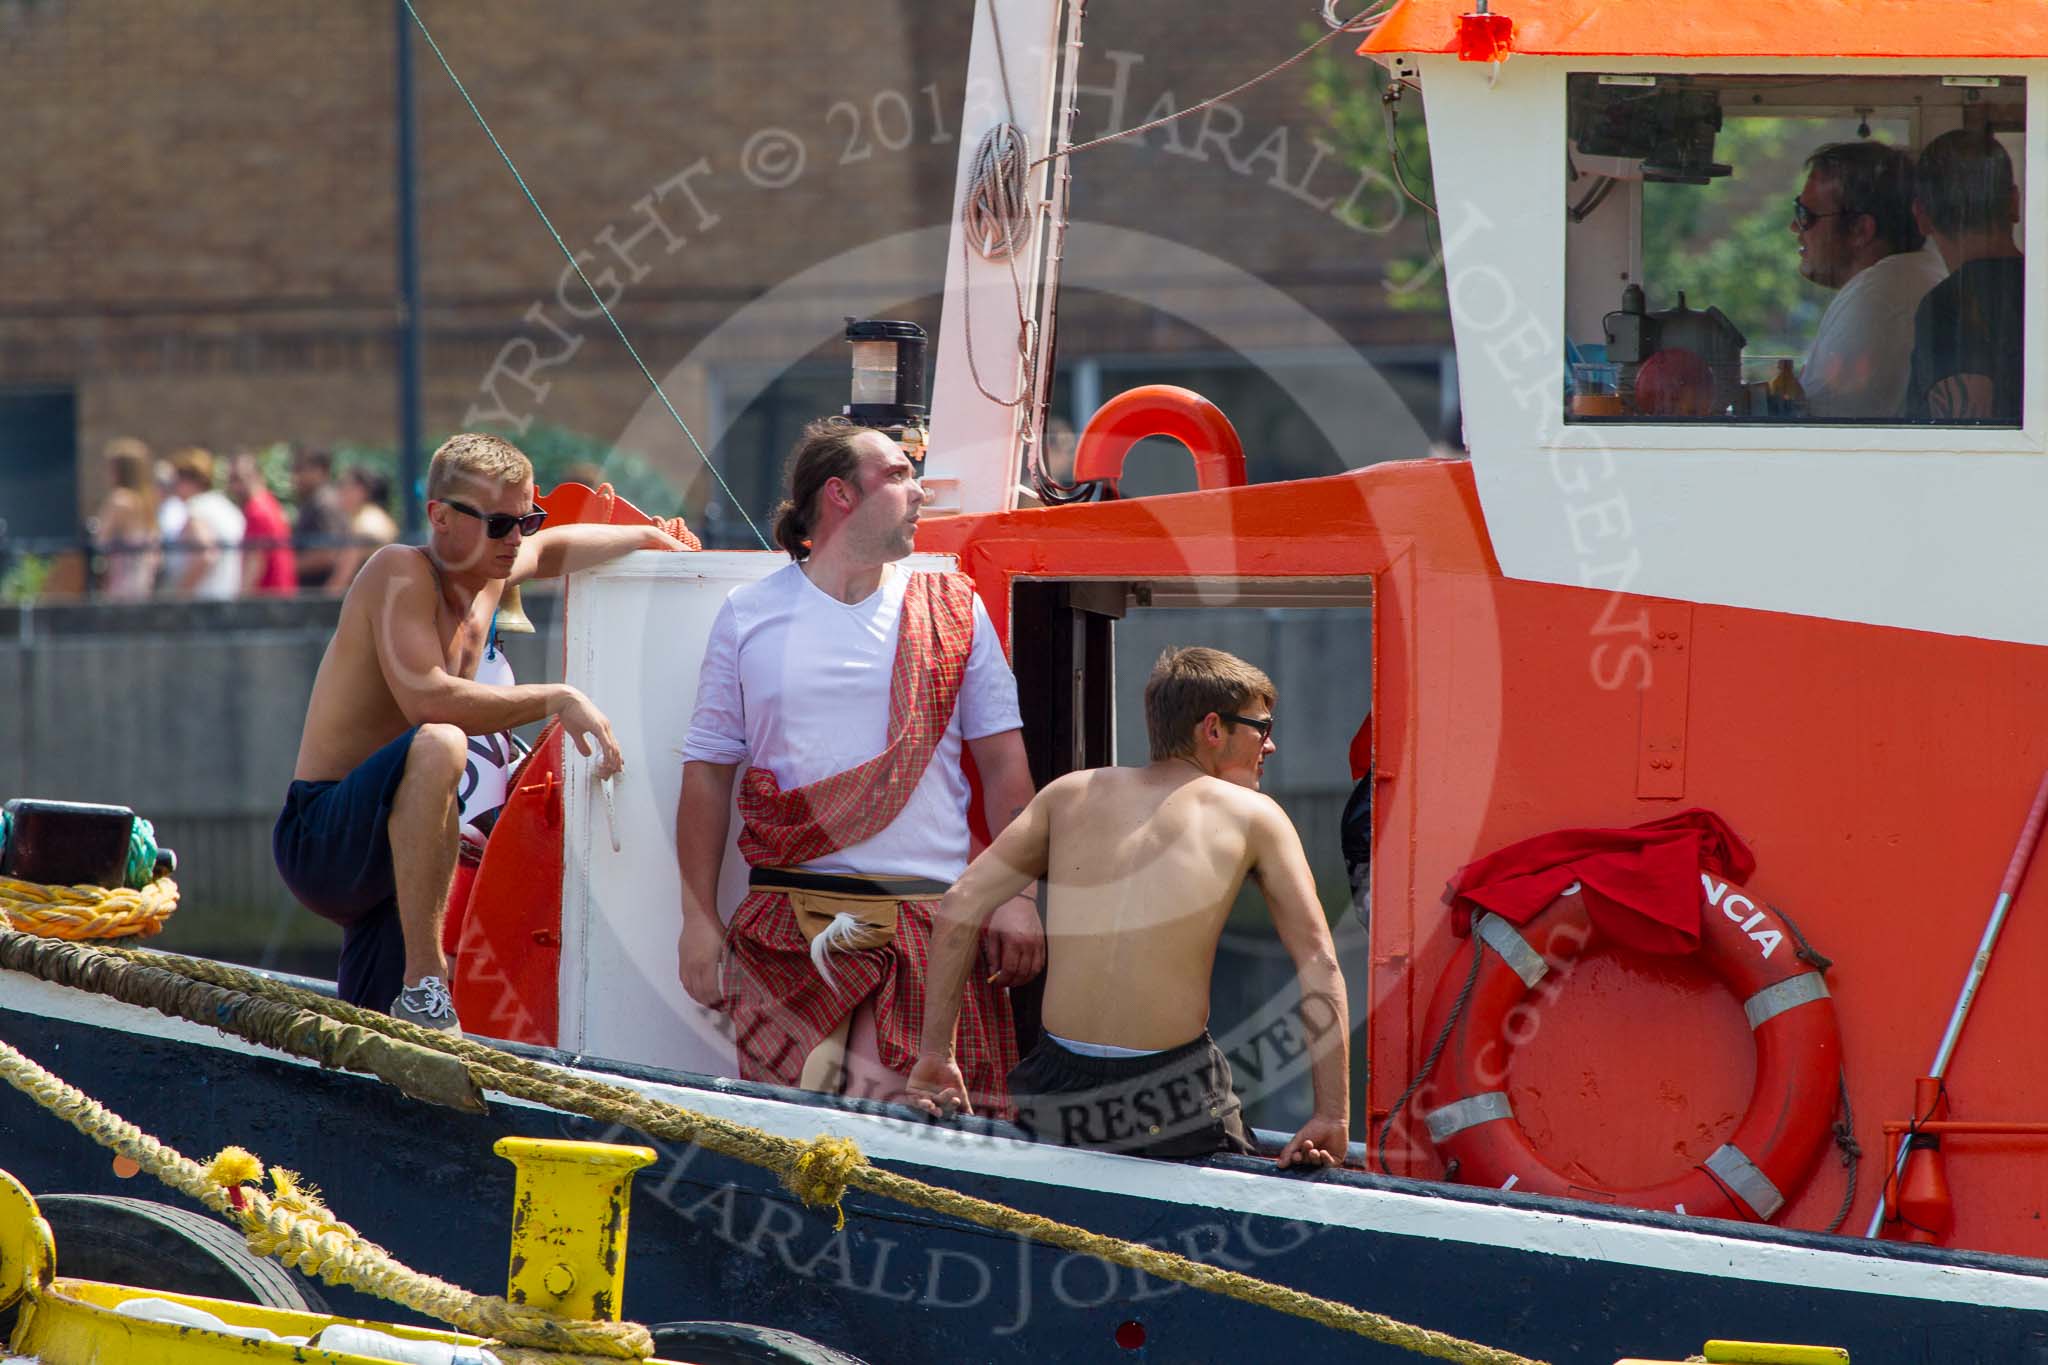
[569, 1209]
[1766, 1353]
[27, 1256]
[1758, 1353]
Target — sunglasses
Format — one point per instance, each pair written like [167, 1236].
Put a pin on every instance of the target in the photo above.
[498, 525]
[1804, 217]
[1263, 724]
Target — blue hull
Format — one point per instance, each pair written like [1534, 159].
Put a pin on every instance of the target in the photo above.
[714, 1238]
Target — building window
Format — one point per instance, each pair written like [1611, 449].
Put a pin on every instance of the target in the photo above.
[1795, 249]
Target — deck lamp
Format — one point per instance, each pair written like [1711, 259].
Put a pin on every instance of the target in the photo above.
[888, 382]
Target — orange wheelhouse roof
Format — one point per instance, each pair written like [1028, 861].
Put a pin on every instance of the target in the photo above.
[1733, 28]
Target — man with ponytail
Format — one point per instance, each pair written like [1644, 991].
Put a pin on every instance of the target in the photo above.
[838, 694]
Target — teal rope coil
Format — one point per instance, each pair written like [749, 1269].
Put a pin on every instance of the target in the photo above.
[142, 853]
[6, 827]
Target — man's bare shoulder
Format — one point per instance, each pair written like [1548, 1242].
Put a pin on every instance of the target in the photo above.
[1068, 789]
[1247, 800]
[393, 564]
[394, 574]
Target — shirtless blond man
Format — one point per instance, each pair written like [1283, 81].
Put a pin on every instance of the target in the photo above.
[1141, 867]
[368, 833]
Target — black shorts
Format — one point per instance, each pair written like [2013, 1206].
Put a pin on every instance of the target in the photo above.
[332, 844]
[1176, 1103]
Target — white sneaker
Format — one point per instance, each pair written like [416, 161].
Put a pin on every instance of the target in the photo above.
[429, 1005]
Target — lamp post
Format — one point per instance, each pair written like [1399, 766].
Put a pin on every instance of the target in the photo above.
[412, 519]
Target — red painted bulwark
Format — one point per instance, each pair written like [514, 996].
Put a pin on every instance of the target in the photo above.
[508, 954]
[1879, 775]
[505, 924]
[1760, 28]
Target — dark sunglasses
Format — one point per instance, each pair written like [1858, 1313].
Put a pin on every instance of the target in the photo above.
[1263, 724]
[1804, 217]
[498, 525]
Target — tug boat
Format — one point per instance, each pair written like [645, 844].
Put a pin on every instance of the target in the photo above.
[1822, 630]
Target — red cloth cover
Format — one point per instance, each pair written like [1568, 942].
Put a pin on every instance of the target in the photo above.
[1641, 884]
[1361, 749]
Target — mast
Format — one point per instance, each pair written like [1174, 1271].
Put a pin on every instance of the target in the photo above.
[974, 465]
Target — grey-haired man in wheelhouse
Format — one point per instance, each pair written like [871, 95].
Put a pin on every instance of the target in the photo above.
[839, 694]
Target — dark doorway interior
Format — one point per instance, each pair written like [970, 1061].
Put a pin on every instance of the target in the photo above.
[39, 468]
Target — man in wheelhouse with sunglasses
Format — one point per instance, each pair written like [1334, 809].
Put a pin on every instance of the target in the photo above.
[369, 830]
[1857, 236]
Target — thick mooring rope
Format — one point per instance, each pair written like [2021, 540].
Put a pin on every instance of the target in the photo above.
[81, 912]
[292, 1224]
[818, 1172]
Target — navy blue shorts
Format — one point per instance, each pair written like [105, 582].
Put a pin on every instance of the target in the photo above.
[1177, 1103]
[333, 849]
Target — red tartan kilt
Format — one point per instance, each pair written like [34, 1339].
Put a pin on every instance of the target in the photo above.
[782, 1009]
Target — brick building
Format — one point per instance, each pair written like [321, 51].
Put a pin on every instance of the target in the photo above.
[197, 238]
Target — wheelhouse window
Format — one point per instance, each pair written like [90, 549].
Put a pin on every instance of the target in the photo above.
[1838, 250]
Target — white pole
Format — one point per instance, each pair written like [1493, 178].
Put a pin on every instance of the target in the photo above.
[2008, 890]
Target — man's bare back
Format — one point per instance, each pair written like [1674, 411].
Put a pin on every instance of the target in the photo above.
[1144, 866]
[354, 710]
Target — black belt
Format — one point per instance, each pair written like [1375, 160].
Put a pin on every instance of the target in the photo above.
[846, 884]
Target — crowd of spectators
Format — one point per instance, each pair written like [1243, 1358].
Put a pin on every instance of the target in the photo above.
[191, 526]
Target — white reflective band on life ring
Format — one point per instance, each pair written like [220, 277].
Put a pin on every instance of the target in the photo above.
[1791, 993]
[1750, 1184]
[1459, 1115]
[1514, 950]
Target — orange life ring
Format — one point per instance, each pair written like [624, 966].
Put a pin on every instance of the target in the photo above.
[1781, 1136]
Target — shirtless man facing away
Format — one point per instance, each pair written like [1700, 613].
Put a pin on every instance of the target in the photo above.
[1141, 867]
[368, 833]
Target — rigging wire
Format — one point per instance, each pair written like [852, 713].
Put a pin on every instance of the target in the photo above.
[577, 266]
[1365, 21]
[997, 219]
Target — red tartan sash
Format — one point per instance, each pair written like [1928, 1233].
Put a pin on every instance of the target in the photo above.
[934, 636]
[781, 1008]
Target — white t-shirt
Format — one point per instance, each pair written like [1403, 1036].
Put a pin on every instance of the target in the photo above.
[213, 510]
[797, 682]
[1863, 352]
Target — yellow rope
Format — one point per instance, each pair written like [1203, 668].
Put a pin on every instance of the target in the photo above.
[819, 1171]
[292, 1224]
[81, 912]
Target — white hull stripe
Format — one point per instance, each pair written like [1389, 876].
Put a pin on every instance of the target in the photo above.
[1457, 1116]
[1380, 1212]
[1794, 991]
[1507, 940]
[1735, 1170]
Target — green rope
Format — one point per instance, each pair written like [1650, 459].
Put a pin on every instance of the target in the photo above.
[141, 854]
[577, 266]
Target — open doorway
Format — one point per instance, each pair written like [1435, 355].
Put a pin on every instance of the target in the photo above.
[1082, 685]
